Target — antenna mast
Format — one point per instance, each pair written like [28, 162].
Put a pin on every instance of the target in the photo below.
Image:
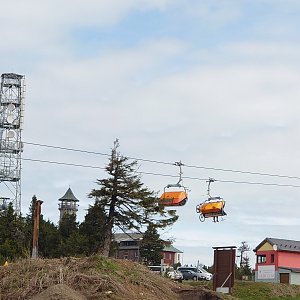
[11, 146]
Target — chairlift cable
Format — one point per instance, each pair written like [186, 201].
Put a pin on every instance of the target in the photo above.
[167, 163]
[164, 175]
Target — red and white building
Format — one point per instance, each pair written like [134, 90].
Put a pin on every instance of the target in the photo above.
[278, 260]
[171, 255]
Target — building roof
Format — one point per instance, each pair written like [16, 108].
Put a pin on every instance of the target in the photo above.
[130, 236]
[294, 270]
[171, 248]
[69, 196]
[281, 244]
[136, 236]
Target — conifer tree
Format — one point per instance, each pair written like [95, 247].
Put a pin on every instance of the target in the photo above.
[93, 227]
[12, 237]
[49, 236]
[128, 204]
[151, 247]
[68, 225]
[29, 223]
[49, 239]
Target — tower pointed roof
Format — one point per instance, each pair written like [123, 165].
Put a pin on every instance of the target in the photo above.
[69, 196]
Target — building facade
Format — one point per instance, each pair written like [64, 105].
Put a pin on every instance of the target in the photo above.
[171, 255]
[128, 247]
[278, 261]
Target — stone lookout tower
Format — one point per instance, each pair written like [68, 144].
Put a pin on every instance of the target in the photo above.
[68, 204]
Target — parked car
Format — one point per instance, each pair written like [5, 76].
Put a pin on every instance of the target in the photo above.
[206, 275]
[201, 273]
[175, 275]
[190, 275]
[158, 269]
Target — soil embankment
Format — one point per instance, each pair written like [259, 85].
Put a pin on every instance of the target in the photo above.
[94, 277]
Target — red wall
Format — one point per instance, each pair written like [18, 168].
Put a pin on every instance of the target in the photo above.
[281, 259]
[268, 262]
[168, 257]
[289, 259]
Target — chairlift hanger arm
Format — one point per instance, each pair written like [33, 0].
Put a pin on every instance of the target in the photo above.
[179, 164]
[210, 180]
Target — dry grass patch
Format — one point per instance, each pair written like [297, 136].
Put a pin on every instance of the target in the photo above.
[93, 277]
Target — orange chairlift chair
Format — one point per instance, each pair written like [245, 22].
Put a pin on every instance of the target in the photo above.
[213, 207]
[177, 197]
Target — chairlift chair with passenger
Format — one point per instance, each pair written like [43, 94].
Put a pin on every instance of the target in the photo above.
[213, 207]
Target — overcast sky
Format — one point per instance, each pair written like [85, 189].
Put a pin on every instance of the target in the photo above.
[214, 84]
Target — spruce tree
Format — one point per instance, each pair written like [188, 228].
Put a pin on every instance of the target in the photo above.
[49, 239]
[12, 236]
[128, 204]
[151, 247]
[49, 236]
[70, 238]
[93, 227]
[29, 223]
[68, 225]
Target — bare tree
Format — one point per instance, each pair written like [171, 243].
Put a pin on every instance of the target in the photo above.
[243, 256]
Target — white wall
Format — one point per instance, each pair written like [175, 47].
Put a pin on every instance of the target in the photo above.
[295, 278]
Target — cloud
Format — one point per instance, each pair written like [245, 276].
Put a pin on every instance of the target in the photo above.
[213, 13]
[206, 83]
[45, 29]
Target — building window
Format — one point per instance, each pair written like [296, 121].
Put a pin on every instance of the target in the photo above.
[128, 243]
[272, 258]
[261, 259]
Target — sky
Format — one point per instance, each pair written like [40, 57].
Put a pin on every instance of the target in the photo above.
[213, 84]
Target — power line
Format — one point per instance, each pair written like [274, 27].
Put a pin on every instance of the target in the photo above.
[243, 172]
[167, 163]
[166, 175]
[62, 163]
[97, 153]
[246, 182]
[66, 148]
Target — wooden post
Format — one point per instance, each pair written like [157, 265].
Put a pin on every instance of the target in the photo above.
[36, 225]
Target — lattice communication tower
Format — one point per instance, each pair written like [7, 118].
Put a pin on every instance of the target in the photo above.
[11, 146]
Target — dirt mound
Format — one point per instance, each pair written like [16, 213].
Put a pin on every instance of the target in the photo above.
[95, 277]
[91, 278]
[59, 292]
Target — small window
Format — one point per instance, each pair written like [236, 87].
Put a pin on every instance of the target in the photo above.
[272, 258]
[261, 259]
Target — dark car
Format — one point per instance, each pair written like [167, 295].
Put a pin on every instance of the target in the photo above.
[190, 275]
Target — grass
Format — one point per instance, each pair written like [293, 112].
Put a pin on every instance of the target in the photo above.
[264, 290]
[249, 290]
[105, 264]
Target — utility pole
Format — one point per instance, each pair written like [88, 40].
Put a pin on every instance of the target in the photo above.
[36, 226]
